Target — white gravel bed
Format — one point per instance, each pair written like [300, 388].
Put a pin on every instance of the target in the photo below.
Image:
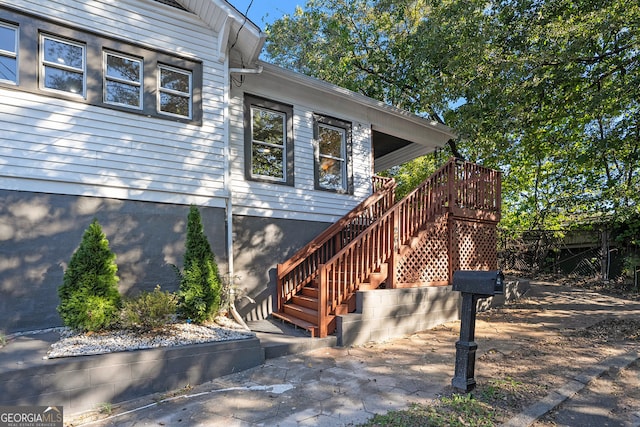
[74, 343]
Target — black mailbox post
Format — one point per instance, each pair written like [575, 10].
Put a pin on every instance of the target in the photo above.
[473, 285]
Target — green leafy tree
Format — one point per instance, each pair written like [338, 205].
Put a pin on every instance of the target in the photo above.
[200, 285]
[89, 297]
[546, 91]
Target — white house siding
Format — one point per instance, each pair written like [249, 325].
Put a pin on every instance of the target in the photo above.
[301, 201]
[61, 146]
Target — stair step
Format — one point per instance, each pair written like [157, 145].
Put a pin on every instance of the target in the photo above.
[313, 329]
[310, 291]
[305, 301]
[376, 278]
[300, 312]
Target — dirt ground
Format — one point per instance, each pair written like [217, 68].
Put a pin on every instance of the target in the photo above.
[548, 338]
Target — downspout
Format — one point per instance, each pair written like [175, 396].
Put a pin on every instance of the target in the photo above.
[228, 196]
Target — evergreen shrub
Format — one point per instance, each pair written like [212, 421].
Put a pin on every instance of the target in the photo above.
[200, 286]
[89, 297]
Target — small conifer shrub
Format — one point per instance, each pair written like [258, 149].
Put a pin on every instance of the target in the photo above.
[200, 285]
[89, 297]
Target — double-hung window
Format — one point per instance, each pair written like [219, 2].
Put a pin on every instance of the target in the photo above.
[63, 65]
[8, 53]
[333, 143]
[269, 140]
[175, 91]
[122, 80]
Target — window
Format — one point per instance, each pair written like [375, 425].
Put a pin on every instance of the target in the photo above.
[63, 65]
[8, 53]
[174, 92]
[122, 80]
[333, 143]
[269, 141]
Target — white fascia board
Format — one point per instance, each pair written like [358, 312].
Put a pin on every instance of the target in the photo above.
[384, 117]
[401, 156]
[227, 21]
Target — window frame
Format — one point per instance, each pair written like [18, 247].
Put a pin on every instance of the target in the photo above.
[106, 78]
[12, 55]
[320, 120]
[173, 92]
[43, 36]
[251, 102]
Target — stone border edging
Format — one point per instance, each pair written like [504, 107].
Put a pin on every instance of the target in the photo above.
[534, 412]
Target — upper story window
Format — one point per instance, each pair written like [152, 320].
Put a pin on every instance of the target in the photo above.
[269, 140]
[333, 144]
[63, 65]
[122, 80]
[174, 91]
[8, 53]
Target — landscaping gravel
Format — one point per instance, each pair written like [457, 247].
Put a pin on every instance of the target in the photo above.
[73, 343]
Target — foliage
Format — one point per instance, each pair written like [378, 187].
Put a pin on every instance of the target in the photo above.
[149, 310]
[545, 91]
[89, 297]
[200, 285]
[409, 175]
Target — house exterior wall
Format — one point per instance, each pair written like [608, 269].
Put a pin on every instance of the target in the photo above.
[300, 201]
[64, 161]
[272, 221]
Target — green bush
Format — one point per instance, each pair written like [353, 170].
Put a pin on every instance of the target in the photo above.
[148, 310]
[200, 285]
[89, 297]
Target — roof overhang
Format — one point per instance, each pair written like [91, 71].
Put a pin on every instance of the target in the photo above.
[237, 35]
[398, 135]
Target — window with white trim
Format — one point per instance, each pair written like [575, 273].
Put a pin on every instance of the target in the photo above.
[174, 91]
[269, 140]
[63, 65]
[8, 53]
[122, 80]
[333, 144]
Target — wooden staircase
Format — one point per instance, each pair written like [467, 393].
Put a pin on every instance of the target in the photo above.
[359, 251]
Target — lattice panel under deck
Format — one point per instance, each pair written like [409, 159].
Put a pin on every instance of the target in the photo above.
[474, 246]
[428, 261]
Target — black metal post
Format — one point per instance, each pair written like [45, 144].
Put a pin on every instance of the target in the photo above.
[466, 347]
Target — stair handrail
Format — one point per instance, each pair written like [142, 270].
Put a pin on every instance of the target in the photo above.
[381, 200]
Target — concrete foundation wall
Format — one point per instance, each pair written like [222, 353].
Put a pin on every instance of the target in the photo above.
[39, 233]
[259, 245]
[387, 313]
[83, 383]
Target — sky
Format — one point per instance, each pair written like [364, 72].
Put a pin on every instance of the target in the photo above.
[266, 11]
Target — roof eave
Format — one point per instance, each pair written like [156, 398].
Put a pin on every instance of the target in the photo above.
[234, 29]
